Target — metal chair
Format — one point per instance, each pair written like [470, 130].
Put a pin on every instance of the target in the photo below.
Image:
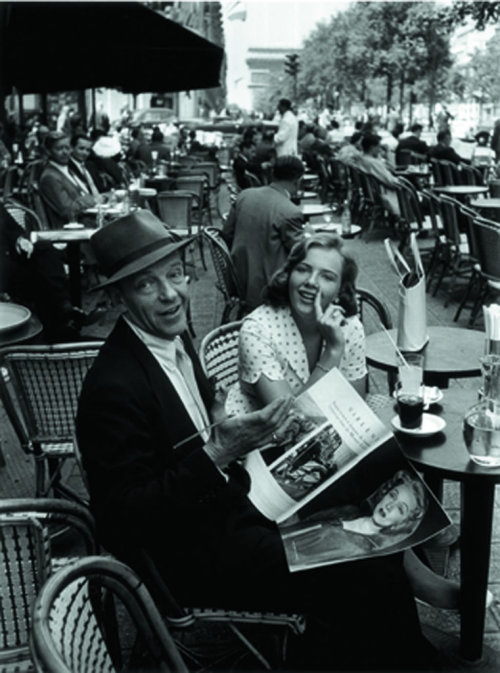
[374, 314]
[487, 246]
[39, 386]
[457, 261]
[30, 537]
[97, 616]
[175, 210]
[227, 282]
[219, 354]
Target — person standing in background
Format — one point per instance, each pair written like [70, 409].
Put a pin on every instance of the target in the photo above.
[285, 139]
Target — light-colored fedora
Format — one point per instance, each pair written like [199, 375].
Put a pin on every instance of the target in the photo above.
[132, 243]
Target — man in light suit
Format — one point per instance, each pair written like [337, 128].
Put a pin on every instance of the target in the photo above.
[262, 226]
[64, 195]
[285, 139]
[165, 483]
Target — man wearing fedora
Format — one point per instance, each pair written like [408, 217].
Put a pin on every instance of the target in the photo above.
[162, 481]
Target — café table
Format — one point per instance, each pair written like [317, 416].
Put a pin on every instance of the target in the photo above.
[489, 208]
[444, 456]
[307, 195]
[73, 238]
[461, 192]
[336, 228]
[314, 209]
[24, 333]
[451, 352]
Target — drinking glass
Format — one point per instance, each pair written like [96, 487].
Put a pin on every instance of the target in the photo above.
[410, 391]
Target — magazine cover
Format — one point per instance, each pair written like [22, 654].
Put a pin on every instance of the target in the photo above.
[341, 488]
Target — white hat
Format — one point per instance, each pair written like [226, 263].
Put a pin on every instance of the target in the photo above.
[107, 146]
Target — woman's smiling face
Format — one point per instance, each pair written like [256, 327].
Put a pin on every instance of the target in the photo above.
[320, 271]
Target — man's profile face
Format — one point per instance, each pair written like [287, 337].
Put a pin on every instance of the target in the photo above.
[156, 298]
[82, 149]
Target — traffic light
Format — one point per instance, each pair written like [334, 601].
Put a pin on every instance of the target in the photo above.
[292, 64]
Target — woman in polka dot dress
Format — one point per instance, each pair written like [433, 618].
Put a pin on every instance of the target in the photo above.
[307, 326]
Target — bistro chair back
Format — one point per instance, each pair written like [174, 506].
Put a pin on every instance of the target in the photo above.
[29, 529]
[487, 238]
[219, 355]
[175, 210]
[374, 314]
[97, 616]
[24, 216]
[470, 175]
[211, 170]
[39, 386]
[39, 207]
[227, 281]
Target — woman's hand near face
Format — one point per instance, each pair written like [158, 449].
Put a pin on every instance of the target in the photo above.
[329, 323]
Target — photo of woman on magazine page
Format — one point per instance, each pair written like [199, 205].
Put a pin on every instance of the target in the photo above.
[388, 516]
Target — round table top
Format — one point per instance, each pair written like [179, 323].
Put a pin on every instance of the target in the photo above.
[336, 227]
[310, 209]
[21, 334]
[451, 351]
[485, 203]
[307, 195]
[445, 452]
[461, 190]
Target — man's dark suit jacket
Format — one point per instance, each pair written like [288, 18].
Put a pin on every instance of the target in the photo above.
[144, 492]
[412, 143]
[441, 152]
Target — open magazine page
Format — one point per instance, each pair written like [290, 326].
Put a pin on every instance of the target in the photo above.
[381, 506]
[332, 430]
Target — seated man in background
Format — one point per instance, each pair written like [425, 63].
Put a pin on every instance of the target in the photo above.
[413, 143]
[444, 151]
[34, 275]
[351, 153]
[243, 165]
[65, 196]
[83, 169]
[371, 163]
[262, 226]
[163, 483]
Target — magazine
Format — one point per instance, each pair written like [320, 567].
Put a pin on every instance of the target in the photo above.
[339, 486]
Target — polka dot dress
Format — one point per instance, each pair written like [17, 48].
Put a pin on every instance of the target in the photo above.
[271, 345]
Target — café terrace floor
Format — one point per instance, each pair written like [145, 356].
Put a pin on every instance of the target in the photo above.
[441, 626]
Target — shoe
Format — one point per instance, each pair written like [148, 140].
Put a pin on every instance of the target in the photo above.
[489, 602]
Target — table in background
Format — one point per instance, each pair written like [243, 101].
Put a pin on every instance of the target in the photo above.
[23, 334]
[444, 456]
[73, 239]
[314, 209]
[336, 228]
[461, 192]
[452, 352]
[489, 208]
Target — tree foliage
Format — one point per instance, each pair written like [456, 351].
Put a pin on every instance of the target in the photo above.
[401, 42]
[482, 13]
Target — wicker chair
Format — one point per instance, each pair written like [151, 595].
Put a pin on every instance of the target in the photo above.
[29, 531]
[39, 386]
[96, 616]
[219, 354]
[227, 282]
[24, 216]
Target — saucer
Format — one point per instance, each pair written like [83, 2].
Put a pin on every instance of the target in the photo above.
[73, 225]
[430, 425]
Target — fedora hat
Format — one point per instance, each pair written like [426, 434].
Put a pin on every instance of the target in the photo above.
[132, 243]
